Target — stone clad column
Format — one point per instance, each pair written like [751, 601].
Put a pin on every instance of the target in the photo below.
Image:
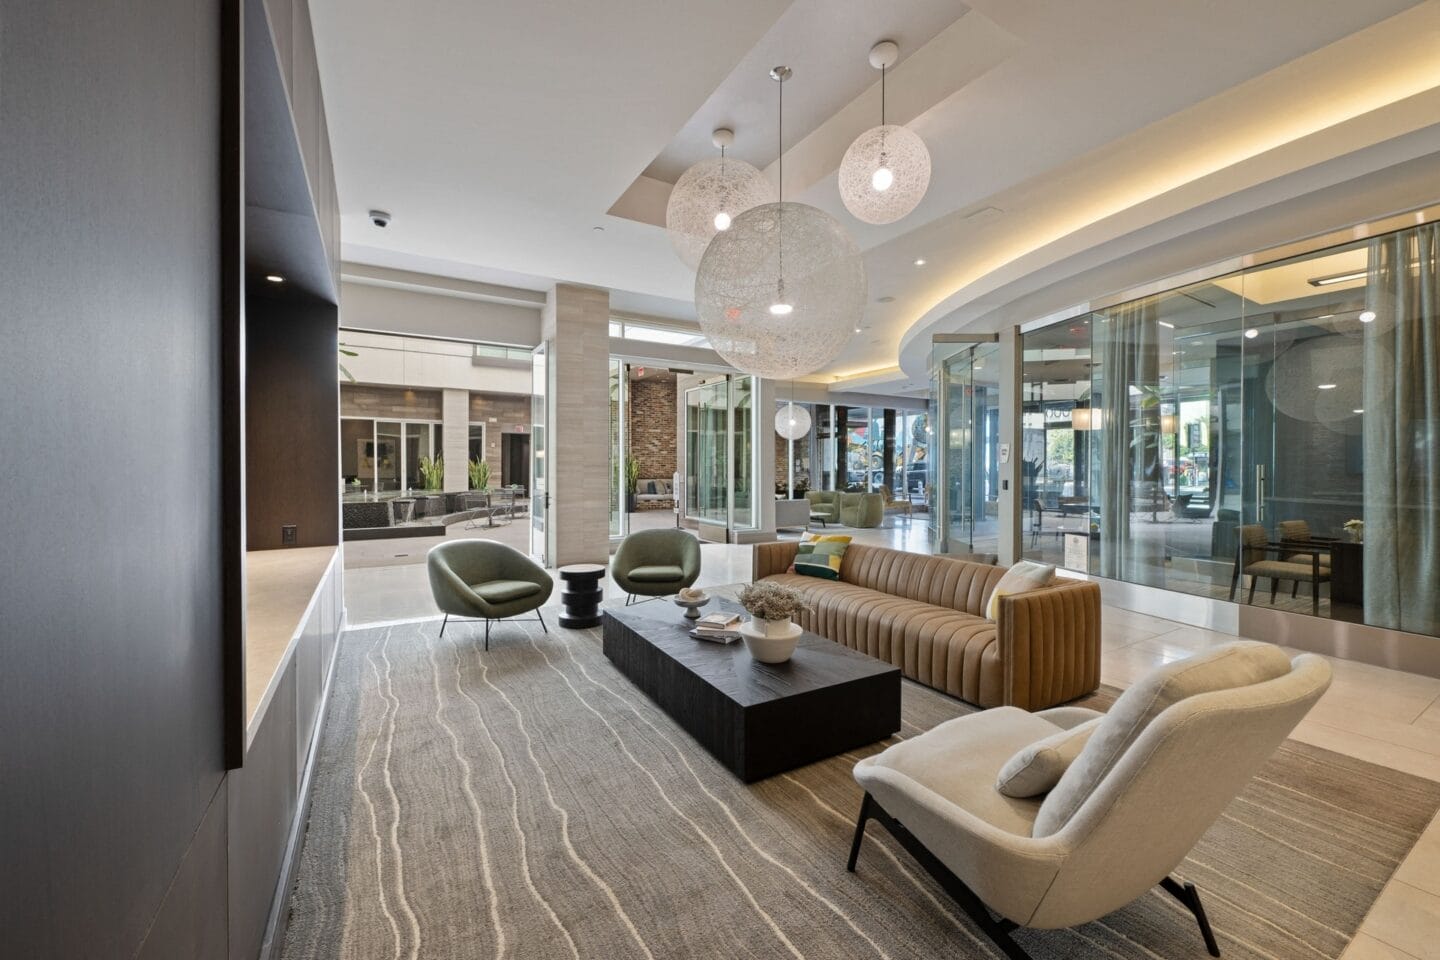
[575, 324]
[455, 416]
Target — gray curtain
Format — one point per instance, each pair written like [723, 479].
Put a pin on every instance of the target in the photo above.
[1402, 433]
[1128, 341]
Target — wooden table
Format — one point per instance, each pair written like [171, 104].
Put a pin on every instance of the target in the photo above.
[1347, 571]
[757, 719]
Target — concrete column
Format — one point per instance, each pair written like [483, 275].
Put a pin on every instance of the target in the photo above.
[575, 324]
[455, 417]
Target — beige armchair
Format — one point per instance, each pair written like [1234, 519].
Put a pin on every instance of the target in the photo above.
[1301, 563]
[1154, 774]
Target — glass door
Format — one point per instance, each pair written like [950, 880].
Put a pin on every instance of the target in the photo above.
[540, 483]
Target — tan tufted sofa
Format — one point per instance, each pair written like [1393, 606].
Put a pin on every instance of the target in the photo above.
[925, 615]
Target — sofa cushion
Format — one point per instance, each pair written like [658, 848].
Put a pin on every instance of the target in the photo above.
[947, 649]
[656, 573]
[1237, 664]
[1023, 576]
[503, 591]
[941, 581]
[1036, 768]
[820, 555]
[960, 759]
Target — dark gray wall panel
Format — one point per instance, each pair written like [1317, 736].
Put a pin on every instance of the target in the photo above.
[193, 922]
[110, 590]
[263, 800]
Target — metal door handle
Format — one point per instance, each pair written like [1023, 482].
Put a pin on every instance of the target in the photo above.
[1260, 493]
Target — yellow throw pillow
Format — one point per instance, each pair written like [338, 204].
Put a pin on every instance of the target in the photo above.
[820, 555]
[1025, 575]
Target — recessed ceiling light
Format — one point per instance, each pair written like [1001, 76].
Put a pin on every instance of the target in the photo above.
[885, 300]
[274, 278]
[1359, 410]
[1325, 386]
[1251, 334]
[920, 262]
[1366, 316]
[1166, 324]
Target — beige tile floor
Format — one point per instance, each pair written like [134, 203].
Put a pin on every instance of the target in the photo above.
[1378, 715]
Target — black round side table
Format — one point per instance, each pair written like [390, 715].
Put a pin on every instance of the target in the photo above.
[580, 594]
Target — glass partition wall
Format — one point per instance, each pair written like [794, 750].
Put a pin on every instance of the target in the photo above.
[1285, 414]
[721, 463]
[883, 447]
[965, 481]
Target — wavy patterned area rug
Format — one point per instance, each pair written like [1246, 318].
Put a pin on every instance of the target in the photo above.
[530, 803]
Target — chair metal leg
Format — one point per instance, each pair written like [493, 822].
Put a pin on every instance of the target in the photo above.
[443, 624]
[997, 930]
[1253, 581]
[1190, 897]
[1234, 582]
[859, 832]
[542, 621]
[1274, 586]
[487, 634]
[1294, 588]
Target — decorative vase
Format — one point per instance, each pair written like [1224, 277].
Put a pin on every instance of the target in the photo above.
[767, 648]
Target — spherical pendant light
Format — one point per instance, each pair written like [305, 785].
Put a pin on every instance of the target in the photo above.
[707, 198]
[886, 171]
[780, 293]
[792, 421]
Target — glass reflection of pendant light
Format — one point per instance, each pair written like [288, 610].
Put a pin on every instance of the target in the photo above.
[780, 292]
[886, 171]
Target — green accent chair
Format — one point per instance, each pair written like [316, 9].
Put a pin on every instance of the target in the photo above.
[485, 580]
[824, 505]
[862, 509]
[656, 563]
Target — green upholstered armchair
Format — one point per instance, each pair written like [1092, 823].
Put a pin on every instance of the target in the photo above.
[656, 563]
[487, 581]
[862, 509]
[824, 505]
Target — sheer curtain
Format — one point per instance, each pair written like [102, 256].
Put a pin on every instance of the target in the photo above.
[1402, 433]
[1128, 381]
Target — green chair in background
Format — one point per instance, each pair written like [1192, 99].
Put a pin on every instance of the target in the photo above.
[656, 563]
[485, 580]
[862, 509]
[824, 505]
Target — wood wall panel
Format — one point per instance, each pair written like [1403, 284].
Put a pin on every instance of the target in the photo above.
[292, 421]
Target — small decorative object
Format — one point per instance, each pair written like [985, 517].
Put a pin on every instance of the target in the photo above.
[1356, 529]
[771, 635]
[709, 196]
[781, 292]
[792, 421]
[692, 600]
[886, 171]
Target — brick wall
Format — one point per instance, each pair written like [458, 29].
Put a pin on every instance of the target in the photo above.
[653, 439]
[509, 411]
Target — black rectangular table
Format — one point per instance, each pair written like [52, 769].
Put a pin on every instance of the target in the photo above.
[758, 719]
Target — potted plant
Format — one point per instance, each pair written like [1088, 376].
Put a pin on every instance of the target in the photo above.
[632, 483]
[479, 475]
[772, 632]
[432, 472]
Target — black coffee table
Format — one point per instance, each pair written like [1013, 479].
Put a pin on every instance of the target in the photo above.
[757, 719]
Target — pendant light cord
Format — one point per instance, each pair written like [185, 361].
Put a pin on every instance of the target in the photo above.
[882, 96]
[780, 209]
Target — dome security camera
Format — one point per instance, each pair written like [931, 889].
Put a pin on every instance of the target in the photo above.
[381, 218]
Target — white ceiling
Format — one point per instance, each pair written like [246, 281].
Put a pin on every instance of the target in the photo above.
[500, 134]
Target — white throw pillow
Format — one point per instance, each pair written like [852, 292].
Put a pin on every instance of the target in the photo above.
[1025, 575]
[1035, 769]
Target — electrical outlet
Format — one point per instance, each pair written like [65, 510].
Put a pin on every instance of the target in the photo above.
[289, 535]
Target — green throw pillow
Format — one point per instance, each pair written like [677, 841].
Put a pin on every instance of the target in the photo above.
[820, 555]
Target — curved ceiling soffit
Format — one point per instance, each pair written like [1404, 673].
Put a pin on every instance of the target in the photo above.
[1280, 166]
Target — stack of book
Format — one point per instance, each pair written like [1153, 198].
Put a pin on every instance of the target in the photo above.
[717, 628]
